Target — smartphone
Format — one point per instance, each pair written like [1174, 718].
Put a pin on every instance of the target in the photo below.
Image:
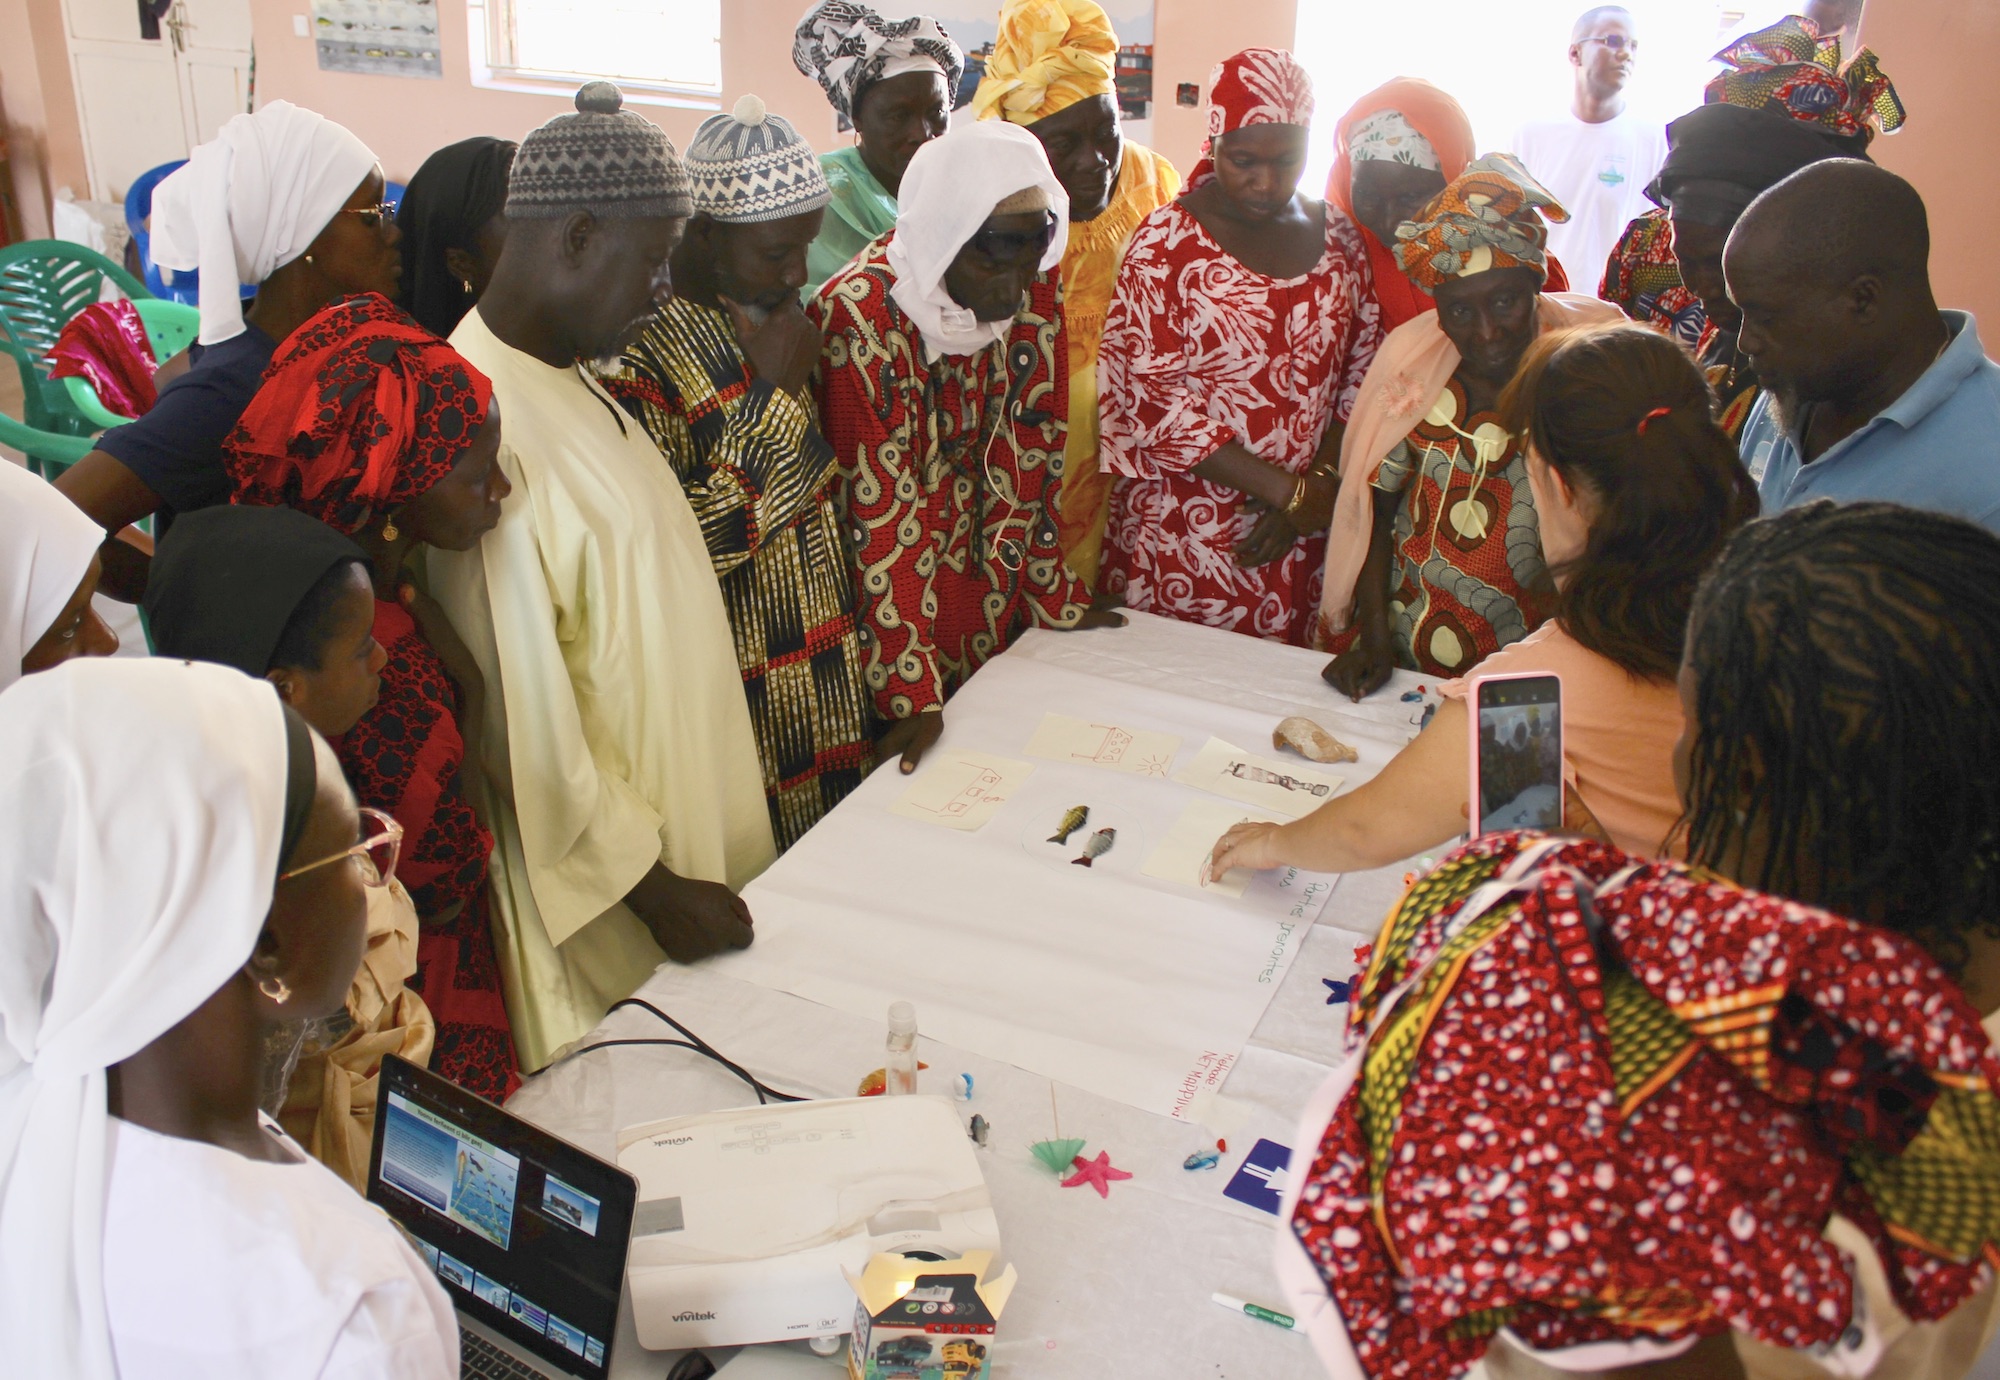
[1517, 753]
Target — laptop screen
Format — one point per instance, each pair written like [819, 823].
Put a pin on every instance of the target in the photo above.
[527, 1232]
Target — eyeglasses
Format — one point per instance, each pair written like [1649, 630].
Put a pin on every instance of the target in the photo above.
[377, 851]
[374, 217]
[1014, 246]
[1616, 43]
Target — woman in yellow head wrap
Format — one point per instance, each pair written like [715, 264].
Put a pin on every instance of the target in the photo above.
[1053, 70]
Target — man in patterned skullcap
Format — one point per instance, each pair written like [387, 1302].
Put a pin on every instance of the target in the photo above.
[719, 382]
[626, 804]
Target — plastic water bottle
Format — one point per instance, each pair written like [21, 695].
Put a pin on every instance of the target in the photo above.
[899, 1069]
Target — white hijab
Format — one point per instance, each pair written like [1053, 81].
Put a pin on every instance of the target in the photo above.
[46, 545]
[950, 188]
[141, 802]
[250, 201]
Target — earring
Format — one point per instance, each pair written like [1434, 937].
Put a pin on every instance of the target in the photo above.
[309, 261]
[389, 529]
[277, 989]
[465, 283]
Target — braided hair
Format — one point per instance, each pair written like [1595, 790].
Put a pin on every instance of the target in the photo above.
[1846, 717]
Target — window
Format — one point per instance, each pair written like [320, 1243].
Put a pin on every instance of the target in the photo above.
[670, 47]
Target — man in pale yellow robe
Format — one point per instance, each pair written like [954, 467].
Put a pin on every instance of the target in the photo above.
[1053, 70]
[625, 797]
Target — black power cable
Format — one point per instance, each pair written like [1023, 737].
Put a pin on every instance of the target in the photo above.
[693, 1042]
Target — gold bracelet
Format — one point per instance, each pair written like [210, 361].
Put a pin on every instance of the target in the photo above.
[1298, 496]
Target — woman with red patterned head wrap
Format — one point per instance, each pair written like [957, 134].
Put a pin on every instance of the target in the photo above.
[1242, 324]
[382, 431]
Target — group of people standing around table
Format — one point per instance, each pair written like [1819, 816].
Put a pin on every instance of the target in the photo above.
[601, 516]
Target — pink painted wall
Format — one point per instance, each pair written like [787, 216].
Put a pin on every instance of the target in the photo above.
[1190, 37]
[404, 119]
[1940, 56]
[38, 104]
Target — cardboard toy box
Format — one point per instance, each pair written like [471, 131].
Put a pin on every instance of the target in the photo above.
[927, 1319]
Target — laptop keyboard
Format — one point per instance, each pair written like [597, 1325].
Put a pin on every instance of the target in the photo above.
[479, 1359]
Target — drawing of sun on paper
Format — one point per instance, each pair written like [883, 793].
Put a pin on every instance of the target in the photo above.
[1139, 751]
[962, 790]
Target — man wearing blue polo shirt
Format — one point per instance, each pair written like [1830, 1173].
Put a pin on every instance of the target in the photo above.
[1871, 392]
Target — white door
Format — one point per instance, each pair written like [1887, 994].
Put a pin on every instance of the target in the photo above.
[144, 102]
[214, 38]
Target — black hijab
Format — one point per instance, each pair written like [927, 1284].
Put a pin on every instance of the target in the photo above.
[226, 581]
[1728, 155]
[457, 190]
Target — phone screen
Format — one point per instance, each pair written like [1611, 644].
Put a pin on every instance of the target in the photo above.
[1520, 754]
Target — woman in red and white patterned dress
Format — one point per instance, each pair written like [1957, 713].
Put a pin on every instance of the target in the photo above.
[1242, 326]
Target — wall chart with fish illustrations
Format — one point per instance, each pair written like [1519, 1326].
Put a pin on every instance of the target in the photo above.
[1030, 930]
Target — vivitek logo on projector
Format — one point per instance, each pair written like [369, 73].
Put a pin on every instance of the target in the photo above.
[692, 1316]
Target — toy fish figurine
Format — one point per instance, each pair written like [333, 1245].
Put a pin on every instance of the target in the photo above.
[1074, 819]
[1100, 844]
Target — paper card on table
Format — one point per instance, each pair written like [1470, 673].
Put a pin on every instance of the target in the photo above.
[961, 789]
[1180, 856]
[1292, 789]
[1139, 751]
[1261, 1180]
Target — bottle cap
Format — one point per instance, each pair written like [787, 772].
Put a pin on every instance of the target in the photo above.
[903, 1018]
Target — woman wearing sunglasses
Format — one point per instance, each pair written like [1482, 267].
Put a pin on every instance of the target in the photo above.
[181, 878]
[944, 390]
[283, 201]
[1239, 333]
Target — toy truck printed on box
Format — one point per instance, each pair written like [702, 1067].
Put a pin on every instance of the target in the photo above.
[924, 1326]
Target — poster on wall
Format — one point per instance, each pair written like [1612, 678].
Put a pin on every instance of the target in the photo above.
[973, 24]
[384, 38]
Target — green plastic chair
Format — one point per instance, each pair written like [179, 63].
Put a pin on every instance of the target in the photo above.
[43, 283]
[170, 326]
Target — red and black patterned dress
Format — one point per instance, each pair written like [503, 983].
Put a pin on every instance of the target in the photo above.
[403, 757]
[947, 492]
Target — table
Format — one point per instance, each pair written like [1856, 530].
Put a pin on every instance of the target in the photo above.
[1115, 1287]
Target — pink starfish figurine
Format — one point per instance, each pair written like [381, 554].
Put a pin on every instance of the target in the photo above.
[1098, 1173]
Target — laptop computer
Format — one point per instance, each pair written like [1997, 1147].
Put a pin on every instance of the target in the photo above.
[527, 1233]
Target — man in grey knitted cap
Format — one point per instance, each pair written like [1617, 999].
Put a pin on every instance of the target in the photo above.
[625, 801]
[719, 381]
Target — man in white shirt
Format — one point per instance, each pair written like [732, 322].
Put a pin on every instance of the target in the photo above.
[1597, 157]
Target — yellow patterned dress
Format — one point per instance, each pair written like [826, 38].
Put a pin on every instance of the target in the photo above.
[759, 476]
[1146, 182]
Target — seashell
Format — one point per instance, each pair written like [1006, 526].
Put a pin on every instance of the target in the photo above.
[1311, 742]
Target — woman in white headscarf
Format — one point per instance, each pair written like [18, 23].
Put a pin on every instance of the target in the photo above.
[178, 875]
[944, 390]
[48, 572]
[282, 200]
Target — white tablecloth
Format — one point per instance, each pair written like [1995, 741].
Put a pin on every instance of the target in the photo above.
[1116, 1287]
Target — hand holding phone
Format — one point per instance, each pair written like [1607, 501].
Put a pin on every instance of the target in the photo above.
[1517, 753]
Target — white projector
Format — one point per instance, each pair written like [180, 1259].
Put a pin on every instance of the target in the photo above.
[747, 1218]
